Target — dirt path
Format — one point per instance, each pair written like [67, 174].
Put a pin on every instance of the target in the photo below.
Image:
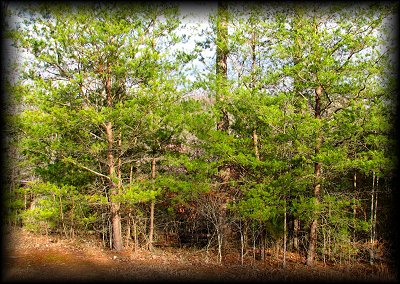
[40, 258]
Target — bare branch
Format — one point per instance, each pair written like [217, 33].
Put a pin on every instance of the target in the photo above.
[86, 168]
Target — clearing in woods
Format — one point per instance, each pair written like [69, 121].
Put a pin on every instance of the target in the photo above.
[30, 257]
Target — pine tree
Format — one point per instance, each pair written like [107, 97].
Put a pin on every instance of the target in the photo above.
[93, 70]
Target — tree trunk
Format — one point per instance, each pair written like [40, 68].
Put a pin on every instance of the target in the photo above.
[324, 247]
[329, 233]
[354, 205]
[115, 215]
[374, 205]
[223, 122]
[219, 238]
[221, 227]
[296, 229]
[252, 85]
[241, 246]
[131, 173]
[262, 241]
[221, 62]
[110, 229]
[254, 246]
[135, 236]
[243, 239]
[151, 231]
[119, 144]
[128, 230]
[317, 185]
[371, 252]
[284, 235]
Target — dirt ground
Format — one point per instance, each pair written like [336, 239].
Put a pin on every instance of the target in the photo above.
[29, 257]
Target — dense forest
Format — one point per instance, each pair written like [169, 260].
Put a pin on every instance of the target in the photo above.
[239, 128]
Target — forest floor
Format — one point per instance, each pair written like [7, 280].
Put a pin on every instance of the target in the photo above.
[30, 257]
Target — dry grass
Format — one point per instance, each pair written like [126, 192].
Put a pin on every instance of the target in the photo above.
[40, 258]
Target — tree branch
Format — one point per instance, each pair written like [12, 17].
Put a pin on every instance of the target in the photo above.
[69, 159]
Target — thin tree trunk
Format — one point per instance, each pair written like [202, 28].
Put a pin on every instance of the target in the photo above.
[371, 252]
[284, 235]
[119, 185]
[324, 246]
[376, 205]
[375, 209]
[296, 229]
[354, 205]
[262, 243]
[131, 174]
[317, 185]
[119, 143]
[329, 233]
[242, 246]
[151, 232]
[221, 227]
[128, 230]
[135, 236]
[111, 235]
[265, 246]
[254, 247]
[103, 230]
[245, 237]
[219, 238]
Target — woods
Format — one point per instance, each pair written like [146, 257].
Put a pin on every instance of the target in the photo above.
[282, 140]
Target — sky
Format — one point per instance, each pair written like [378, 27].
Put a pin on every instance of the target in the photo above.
[196, 18]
